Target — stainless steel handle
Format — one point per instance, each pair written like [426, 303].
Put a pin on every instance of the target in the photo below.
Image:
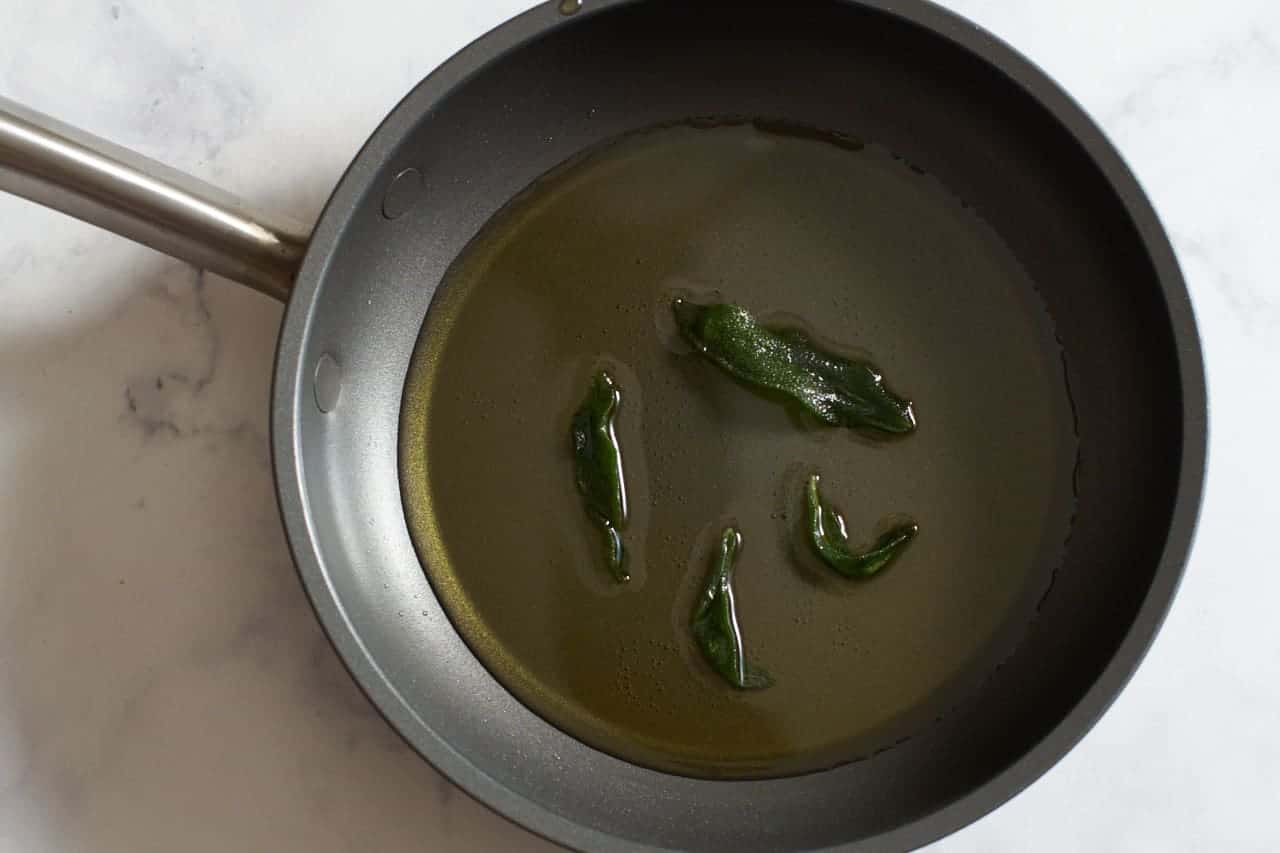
[89, 178]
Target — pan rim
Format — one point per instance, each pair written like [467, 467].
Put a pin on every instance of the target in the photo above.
[289, 391]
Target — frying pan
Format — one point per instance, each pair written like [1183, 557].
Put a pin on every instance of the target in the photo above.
[530, 95]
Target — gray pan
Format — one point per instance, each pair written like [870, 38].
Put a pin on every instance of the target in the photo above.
[529, 96]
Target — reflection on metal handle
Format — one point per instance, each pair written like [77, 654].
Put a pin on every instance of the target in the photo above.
[58, 166]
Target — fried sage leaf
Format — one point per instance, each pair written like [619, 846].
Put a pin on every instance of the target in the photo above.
[830, 539]
[715, 620]
[598, 467]
[837, 390]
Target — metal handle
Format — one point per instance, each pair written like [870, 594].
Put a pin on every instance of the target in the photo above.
[50, 163]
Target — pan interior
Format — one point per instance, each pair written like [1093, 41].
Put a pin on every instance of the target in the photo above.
[813, 229]
[907, 75]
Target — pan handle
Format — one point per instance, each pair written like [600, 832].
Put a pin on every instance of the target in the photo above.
[50, 163]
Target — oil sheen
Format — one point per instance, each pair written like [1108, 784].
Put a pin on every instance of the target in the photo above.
[872, 257]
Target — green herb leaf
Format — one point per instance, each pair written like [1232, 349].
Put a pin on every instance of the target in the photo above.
[715, 621]
[838, 391]
[830, 539]
[598, 467]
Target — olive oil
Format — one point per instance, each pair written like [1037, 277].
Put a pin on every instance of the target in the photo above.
[870, 257]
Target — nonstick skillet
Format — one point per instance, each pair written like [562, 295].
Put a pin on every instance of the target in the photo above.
[530, 95]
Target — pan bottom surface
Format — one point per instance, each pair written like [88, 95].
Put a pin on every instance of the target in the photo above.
[869, 254]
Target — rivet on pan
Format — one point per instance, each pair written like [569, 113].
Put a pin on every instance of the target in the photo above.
[402, 194]
[570, 7]
[328, 383]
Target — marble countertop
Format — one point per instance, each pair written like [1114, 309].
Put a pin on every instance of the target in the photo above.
[163, 682]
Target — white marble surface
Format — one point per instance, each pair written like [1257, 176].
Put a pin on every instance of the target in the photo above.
[163, 683]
